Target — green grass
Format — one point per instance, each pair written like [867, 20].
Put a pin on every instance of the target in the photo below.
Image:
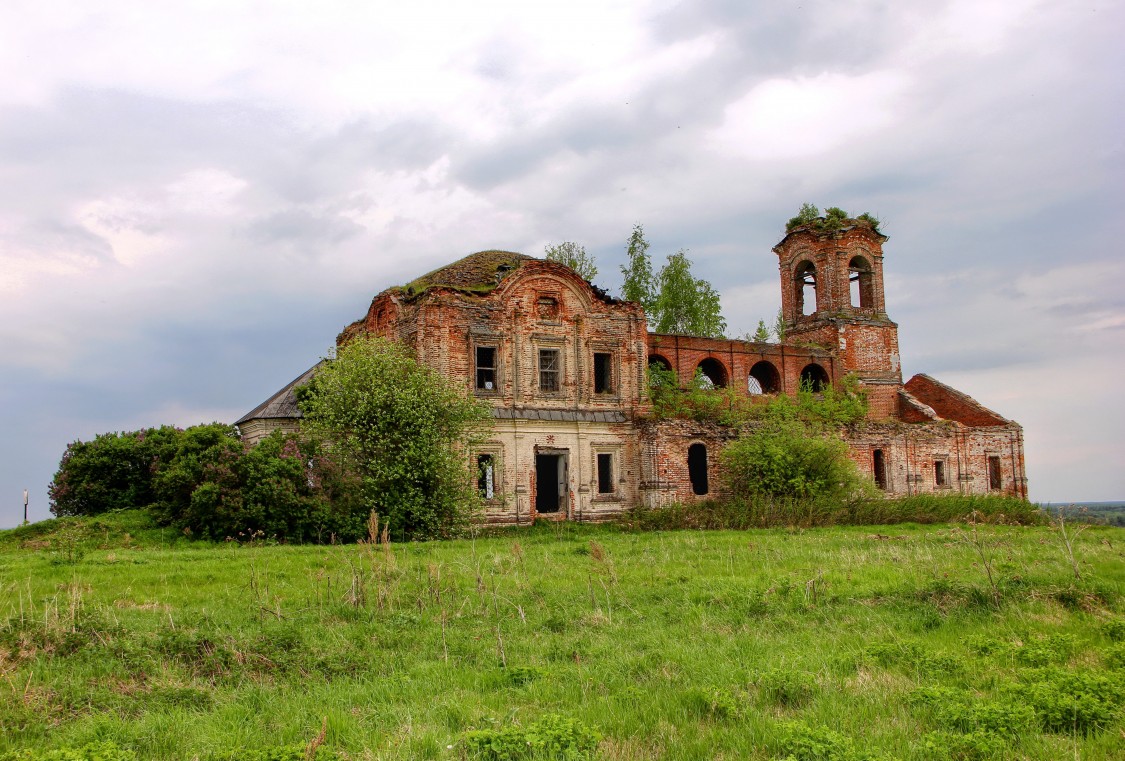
[828, 643]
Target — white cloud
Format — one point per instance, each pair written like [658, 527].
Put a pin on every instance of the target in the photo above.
[783, 119]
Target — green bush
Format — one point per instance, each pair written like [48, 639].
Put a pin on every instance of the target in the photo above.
[1114, 629]
[970, 746]
[1072, 701]
[550, 737]
[795, 450]
[800, 742]
[1114, 657]
[285, 488]
[1045, 651]
[403, 429]
[790, 461]
[721, 704]
[104, 751]
[113, 471]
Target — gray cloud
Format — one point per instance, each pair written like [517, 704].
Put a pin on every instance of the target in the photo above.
[176, 250]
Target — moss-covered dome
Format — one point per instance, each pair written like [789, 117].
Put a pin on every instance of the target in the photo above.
[476, 273]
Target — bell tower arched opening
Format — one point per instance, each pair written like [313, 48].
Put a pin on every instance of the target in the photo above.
[804, 289]
[861, 285]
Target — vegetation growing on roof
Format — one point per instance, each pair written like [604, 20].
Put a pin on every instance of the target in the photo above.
[477, 273]
[574, 256]
[673, 299]
[834, 218]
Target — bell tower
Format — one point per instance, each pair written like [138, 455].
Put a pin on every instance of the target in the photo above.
[832, 295]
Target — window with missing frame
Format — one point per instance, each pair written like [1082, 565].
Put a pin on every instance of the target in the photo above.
[603, 373]
[605, 474]
[549, 370]
[486, 368]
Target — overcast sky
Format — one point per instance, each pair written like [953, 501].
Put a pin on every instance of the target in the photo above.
[196, 197]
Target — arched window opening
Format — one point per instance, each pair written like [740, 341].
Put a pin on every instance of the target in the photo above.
[814, 378]
[697, 468]
[861, 292]
[714, 374]
[805, 289]
[660, 372]
[764, 379]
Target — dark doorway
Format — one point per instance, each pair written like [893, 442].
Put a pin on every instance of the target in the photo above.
[994, 481]
[879, 463]
[550, 482]
[697, 468]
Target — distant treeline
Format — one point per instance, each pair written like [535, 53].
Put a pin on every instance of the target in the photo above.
[1103, 513]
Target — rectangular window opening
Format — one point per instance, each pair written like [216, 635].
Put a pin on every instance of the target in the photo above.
[994, 481]
[605, 474]
[486, 476]
[939, 473]
[879, 464]
[697, 468]
[603, 373]
[549, 370]
[486, 368]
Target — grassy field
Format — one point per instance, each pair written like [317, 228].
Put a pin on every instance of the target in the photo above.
[904, 642]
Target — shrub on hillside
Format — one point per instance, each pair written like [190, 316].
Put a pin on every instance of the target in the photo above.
[113, 471]
[551, 736]
[103, 751]
[789, 460]
[285, 487]
[403, 429]
[203, 480]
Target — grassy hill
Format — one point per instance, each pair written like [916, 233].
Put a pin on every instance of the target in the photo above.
[905, 642]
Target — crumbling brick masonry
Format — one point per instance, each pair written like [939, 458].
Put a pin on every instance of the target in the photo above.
[563, 366]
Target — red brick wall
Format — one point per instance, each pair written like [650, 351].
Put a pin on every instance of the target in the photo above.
[664, 452]
[446, 326]
[951, 404]
[911, 450]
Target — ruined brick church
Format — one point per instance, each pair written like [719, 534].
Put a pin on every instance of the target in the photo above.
[563, 366]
